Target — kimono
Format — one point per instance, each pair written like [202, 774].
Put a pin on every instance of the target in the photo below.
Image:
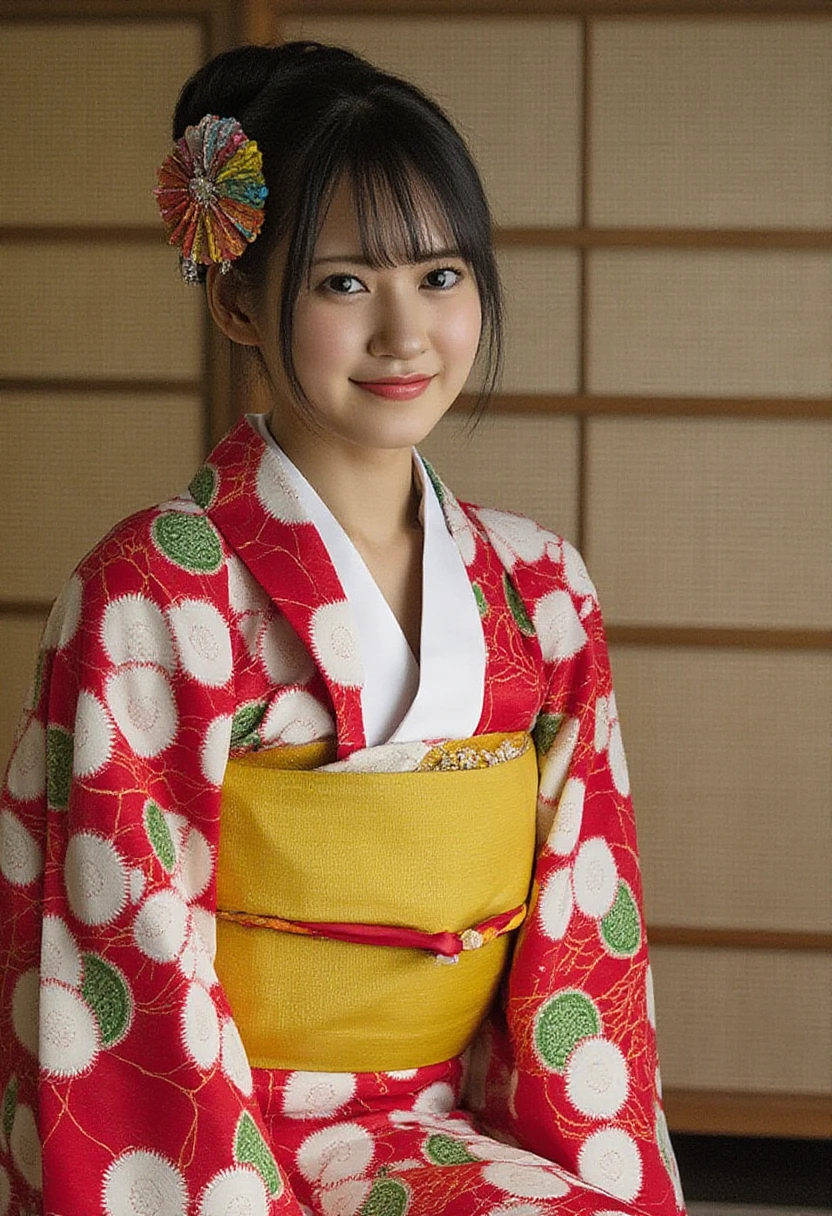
[217, 626]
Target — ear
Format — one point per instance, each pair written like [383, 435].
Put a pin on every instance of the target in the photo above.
[230, 308]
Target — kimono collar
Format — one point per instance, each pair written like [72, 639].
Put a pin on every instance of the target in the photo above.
[257, 506]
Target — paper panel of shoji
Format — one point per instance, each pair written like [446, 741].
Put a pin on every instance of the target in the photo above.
[71, 467]
[19, 637]
[703, 521]
[92, 122]
[754, 1021]
[730, 770]
[97, 311]
[710, 322]
[513, 87]
[525, 463]
[542, 320]
[711, 123]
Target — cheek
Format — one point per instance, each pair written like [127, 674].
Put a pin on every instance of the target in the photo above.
[461, 332]
[323, 338]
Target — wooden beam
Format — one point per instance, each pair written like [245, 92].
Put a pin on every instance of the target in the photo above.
[694, 937]
[579, 404]
[26, 608]
[518, 9]
[92, 386]
[82, 234]
[613, 404]
[587, 237]
[710, 638]
[582, 437]
[671, 637]
[725, 1113]
[217, 14]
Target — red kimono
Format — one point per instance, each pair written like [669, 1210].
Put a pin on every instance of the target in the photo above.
[216, 624]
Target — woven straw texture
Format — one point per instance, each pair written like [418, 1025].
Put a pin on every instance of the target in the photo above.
[97, 310]
[711, 521]
[710, 322]
[99, 95]
[524, 463]
[71, 467]
[541, 289]
[711, 124]
[731, 771]
[772, 1034]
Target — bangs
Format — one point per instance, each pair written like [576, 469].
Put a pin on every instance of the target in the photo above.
[416, 193]
[322, 116]
[400, 217]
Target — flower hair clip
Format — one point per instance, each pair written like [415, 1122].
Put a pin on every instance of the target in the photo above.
[211, 193]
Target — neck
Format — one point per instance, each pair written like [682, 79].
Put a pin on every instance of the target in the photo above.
[370, 491]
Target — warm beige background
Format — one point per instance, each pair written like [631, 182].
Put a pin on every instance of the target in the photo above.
[74, 461]
[686, 522]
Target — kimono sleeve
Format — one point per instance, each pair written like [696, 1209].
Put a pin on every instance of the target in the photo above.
[124, 1083]
[570, 1068]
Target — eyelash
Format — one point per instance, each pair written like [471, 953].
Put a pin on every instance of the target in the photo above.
[327, 284]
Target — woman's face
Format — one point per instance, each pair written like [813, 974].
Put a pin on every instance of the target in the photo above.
[381, 353]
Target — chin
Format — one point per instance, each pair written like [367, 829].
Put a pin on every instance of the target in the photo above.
[396, 433]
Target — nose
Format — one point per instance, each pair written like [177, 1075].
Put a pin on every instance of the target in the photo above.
[399, 330]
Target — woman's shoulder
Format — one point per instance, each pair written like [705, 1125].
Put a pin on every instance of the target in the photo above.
[547, 574]
[164, 553]
[523, 544]
[176, 532]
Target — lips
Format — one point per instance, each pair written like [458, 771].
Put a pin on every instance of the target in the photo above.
[396, 388]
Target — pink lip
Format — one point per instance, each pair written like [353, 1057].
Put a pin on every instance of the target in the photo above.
[396, 388]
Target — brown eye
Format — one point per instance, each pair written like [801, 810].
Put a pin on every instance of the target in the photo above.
[443, 277]
[343, 284]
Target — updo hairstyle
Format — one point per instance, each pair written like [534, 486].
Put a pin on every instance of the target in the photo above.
[321, 114]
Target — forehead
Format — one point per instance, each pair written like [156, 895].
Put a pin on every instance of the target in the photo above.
[372, 224]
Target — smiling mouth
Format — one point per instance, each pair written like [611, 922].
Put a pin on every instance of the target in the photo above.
[398, 388]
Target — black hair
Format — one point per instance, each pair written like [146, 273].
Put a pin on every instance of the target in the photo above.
[320, 115]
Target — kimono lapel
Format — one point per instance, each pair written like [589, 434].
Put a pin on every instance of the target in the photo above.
[253, 504]
[514, 662]
[449, 696]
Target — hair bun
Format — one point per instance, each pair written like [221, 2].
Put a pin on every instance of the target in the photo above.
[226, 85]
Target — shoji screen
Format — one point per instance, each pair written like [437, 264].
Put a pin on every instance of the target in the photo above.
[102, 384]
[662, 182]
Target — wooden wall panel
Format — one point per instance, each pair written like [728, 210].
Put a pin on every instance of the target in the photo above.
[731, 772]
[97, 311]
[99, 96]
[710, 322]
[71, 467]
[542, 320]
[749, 1022]
[711, 522]
[712, 123]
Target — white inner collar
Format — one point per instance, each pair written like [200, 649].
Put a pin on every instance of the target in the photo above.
[402, 700]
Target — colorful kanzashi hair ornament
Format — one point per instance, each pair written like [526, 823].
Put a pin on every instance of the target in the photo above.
[211, 193]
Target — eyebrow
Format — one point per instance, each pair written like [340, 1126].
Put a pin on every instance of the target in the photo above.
[358, 259]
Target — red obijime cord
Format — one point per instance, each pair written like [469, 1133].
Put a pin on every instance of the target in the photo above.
[447, 946]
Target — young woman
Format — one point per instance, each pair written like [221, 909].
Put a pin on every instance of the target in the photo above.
[318, 875]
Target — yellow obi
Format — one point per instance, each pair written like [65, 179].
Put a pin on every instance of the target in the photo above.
[439, 850]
